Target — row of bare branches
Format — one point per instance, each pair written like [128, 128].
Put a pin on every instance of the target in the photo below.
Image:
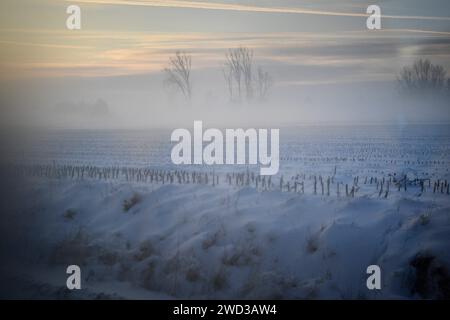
[245, 82]
[241, 80]
[423, 75]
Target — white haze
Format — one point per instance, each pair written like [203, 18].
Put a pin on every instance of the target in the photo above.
[142, 101]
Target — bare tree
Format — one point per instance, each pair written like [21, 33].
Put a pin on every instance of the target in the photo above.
[233, 73]
[228, 74]
[422, 75]
[263, 83]
[247, 70]
[240, 78]
[238, 73]
[178, 73]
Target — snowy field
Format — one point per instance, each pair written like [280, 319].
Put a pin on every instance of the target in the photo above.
[139, 227]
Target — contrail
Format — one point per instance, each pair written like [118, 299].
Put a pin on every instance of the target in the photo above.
[249, 8]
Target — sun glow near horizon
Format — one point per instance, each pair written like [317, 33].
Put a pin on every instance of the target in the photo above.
[109, 47]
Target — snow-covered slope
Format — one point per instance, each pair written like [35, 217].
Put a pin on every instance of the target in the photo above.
[197, 241]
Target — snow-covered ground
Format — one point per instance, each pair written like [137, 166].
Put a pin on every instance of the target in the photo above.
[160, 238]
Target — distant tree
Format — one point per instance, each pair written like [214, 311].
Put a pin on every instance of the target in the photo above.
[247, 70]
[263, 84]
[421, 76]
[228, 74]
[233, 73]
[178, 73]
[240, 78]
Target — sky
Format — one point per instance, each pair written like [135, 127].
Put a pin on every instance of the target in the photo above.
[123, 46]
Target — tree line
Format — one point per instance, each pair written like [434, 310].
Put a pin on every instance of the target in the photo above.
[243, 79]
[423, 76]
[246, 82]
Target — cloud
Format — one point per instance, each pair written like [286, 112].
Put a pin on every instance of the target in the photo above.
[136, 53]
[430, 32]
[43, 45]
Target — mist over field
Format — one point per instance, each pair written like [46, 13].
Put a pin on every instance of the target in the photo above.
[325, 69]
[143, 102]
